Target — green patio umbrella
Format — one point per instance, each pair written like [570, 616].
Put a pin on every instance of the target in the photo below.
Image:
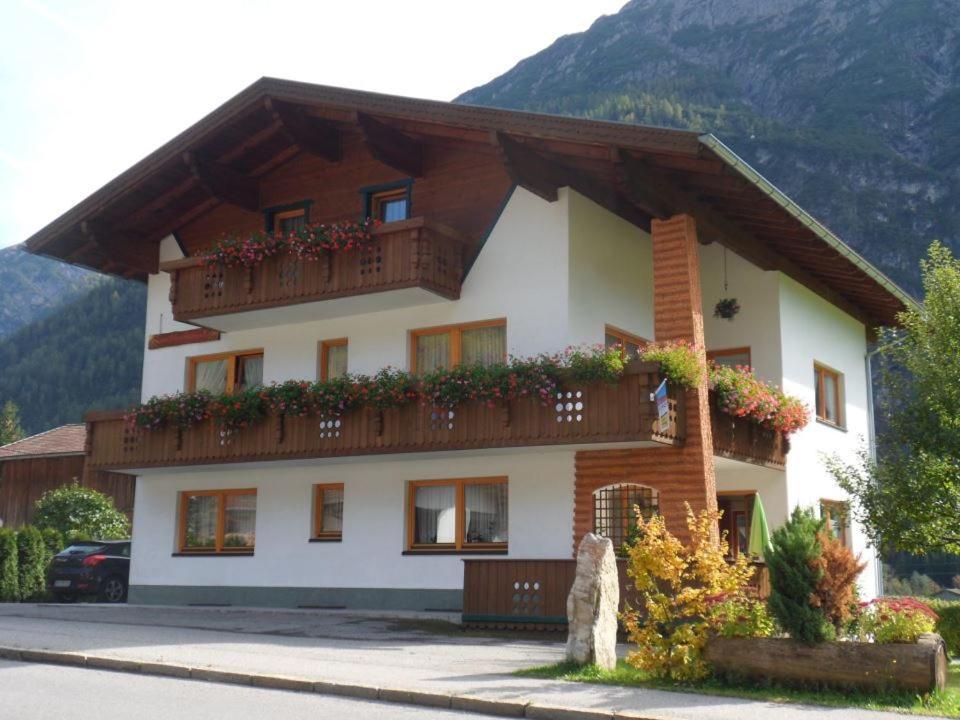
[759, 534]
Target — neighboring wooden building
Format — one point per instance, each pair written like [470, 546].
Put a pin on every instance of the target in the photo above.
[503, 233]
[48, 460]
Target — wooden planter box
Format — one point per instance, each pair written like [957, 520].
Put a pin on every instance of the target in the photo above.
[916, 667]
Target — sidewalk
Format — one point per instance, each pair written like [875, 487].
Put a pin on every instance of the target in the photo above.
[394, 658]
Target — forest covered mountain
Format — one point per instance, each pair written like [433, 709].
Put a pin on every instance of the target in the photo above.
[31, 286]
[85, 354]
[852, 107]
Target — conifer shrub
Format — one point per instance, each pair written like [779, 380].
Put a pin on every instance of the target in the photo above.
[836, 593]
[948, 624]
[794, 562]
[9, 571]
[32, 559]
[53, 541]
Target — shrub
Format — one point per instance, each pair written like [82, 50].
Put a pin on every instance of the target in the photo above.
[795, 574]
[52, 540]
[32, 560]
[896, 620]
[9, 566]
[678, 360]
[79, 512]
[949, 623]
[678, 583]
[836, 593]
[741, 617]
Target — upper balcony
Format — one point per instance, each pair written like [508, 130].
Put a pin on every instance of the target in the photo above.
[741, 439]
[591, 416]
[412, 262]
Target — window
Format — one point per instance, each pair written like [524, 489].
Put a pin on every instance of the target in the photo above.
[333, 359]
[737, 511]
[289, 220]
[613, 510]
[631, 344]
[388, 203]
[460, 515]
[225, 372]
[829, 388]
[836, 514]
[443, 347]
[328, 512]
[730, 357]
[218, 521]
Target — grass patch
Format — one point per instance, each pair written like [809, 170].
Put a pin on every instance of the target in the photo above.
[945, 704]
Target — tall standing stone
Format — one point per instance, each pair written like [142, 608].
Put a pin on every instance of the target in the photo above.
[592, 604]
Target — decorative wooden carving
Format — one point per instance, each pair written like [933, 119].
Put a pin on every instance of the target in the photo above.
[224, 183]
[390, 146]
[311, 134]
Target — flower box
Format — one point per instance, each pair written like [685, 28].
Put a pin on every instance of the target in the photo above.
[919, 667]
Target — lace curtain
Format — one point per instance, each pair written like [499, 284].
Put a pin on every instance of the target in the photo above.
[250, 372]
[240, 521]
[435, 520]
[211, 375]
[332, 511]
[201, 521]
[433, 351]
[484, 345]
[486, 513]
[336, 361]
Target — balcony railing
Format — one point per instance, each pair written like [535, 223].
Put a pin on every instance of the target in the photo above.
[583, 415]
[532, 594]
[740, 439]
[412, 253]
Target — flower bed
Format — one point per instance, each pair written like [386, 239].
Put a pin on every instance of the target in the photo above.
[309, 242]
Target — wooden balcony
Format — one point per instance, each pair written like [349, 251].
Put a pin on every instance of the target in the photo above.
[740, 439]
[411, 262]
[593, 415]
[532, 594]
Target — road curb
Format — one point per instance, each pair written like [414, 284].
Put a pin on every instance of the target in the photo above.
[421, 698]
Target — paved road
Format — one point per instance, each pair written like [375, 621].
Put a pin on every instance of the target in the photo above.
[41, 692]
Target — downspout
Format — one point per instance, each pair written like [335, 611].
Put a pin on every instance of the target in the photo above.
[872, 452]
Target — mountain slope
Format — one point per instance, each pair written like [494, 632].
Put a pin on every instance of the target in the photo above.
[850, 106]
[84, 355]
[30, 286]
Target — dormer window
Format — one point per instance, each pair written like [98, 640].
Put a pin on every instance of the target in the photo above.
[388, 203]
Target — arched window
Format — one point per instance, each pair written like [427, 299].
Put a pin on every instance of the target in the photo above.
[613, 509]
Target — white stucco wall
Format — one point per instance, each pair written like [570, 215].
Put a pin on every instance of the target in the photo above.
[757, 325]
[610, 274]
[813, 330]
[540, 502]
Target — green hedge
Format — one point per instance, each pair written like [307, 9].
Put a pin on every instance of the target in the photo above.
[33, 558]
[9, 566]
[53, 540]
[949, 623]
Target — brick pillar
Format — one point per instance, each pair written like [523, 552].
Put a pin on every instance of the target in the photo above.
[682, 474]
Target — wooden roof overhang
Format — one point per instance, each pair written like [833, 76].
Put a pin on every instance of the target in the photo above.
[638, 172]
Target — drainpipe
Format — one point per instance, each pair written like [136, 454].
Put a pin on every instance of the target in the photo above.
[872, 452]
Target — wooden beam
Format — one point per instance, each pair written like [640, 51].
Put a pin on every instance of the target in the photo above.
[664, 189]
[132, 253]
[390, 146]
[311, 134]
[528, 168]
[224, 183]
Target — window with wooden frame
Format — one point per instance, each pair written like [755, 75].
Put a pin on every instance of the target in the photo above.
[388, 203]
[730, 357]
[836, 514]
[630, 343]
[461, 515]
[225, 372]
[328, 511]
[613, 510]
[829, 393]
[218, 521]
[482, 343]
[734, 523]
[284, 219]
[333, 359]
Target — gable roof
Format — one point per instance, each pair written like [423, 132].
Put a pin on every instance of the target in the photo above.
[638, 171]
[63, 440]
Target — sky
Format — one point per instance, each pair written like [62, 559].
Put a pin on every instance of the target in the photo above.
[89, 87]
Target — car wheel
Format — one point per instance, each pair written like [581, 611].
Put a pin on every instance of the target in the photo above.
[113, 590]
[64, 597]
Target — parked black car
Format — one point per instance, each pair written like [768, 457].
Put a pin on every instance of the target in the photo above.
[100, 568]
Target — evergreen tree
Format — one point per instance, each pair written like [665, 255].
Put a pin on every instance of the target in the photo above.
[795, 574]
[9, 573]
[10, 430]
[32, 557]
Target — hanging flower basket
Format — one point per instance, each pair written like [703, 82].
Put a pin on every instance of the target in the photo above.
[726, 309]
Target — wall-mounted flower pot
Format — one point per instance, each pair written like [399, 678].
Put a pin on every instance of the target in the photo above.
[919, 667]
